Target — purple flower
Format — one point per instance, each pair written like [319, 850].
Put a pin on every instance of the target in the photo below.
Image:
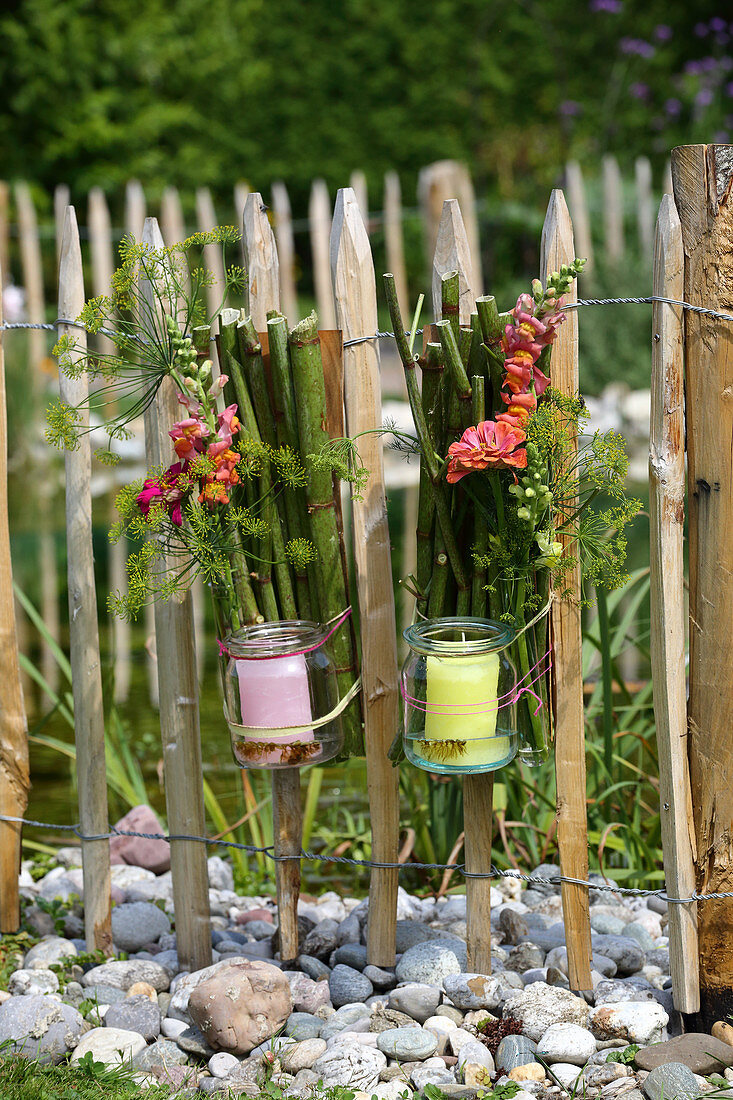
[639, 90]
[722, 39]
[569, 108]
[701, 30]
[637, 46]
[673, 107]
[612, 6]
[708, 64]
[717, 24]
[704, 97]
[663, 32]
[693, 68]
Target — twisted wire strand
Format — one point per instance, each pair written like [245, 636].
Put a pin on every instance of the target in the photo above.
[269, 852]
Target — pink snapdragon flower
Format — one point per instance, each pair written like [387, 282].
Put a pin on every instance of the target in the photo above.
[168, 490]
[489, 444]
[189, 437]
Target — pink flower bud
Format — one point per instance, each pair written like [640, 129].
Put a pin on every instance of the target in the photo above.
[218, 385]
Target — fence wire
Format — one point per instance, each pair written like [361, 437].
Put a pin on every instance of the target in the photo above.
[269, 853]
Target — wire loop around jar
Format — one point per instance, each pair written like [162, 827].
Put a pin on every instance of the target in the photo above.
[276, 733]
[262, 630]
[489, 706]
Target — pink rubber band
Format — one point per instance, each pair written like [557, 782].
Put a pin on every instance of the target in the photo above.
[224, 652]
[489, 705]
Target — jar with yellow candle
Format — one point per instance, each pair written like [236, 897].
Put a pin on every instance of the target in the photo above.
[459, 692]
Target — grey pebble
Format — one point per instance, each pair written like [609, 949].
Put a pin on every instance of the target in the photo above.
[432, 961]
[514, 1050]
[137, 923]
[313, 967]
[303, 1025]
[380, 979]
[351, 954]
[161, 1053]
[672, 1081]
[136, 1013]
[348, 986]
[193, 1041]
[407, 1044]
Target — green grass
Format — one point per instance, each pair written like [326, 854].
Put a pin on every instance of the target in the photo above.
[24, 1079]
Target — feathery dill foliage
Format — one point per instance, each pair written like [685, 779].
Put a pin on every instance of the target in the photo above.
[138, 327]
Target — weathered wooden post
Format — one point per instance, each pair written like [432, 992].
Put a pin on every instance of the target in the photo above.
[394, 239]
[285, 251]
[60, 202]
[261, 262]
[358, 184]
[213, 262]
[666, 525]
[14, 774]
[578, 203]
[452, 253]
[134, 208]
[179, 705]
[319, 218]
[86, 670]
[572, 824]
[354, 286]
[644, 206]
[702, 176]
[613, 210]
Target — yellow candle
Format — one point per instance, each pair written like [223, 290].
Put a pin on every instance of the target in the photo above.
[459, 684]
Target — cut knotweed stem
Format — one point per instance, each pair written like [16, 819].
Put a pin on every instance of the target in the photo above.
[492, 329]
[439, 581]
[226, 341]
[465, 340]
[427, 445]
[250, 356]
[432, 372]
[286, 427]
[450, 296]
[477, 359]
[233, 368]
[480, 529]
[456, 371]
[330, 587]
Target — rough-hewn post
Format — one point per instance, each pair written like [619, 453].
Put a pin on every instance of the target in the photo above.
[572, 823]
[319, 217]
[285, 251]
[666, 525]
[86, 670]
[578, 203]
[613, 210]
[179, 708]
[394, 239]
[702, 176]
[14, 775]
[452, 253]
[355, 292]
[261, 262]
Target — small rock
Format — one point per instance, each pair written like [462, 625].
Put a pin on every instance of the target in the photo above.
[558, 957]
[512, 925]
[302, 1055]
[566, 1073]
[154, 855]
[432, 961]
[307, 995]
[39, 921]
[723, 1031]
[159, 1055]
[351, 954]
[623, 950]
[173, 1028]
[135, 1014]
[643, 1022]
[415, 999]
[540, 1005]
[641, 934]
[52, 949]
[472, 991]
[476, 1054]
[124, 974]
[380, 979]
[606, 924]
[321, 940]
[525, 956]
[423, 1075]
[385, 1019]
[314, 968]
[222, 1063]
[221, 875]
[703, 1054]
[23, 982]
[566, 1043]
[303, 1025]
[193, 1041]
[138, 923]
[613, 991]
[597, 1076]
[39, 1027]
[242, 1005]
[348, 986]
[410, 932]
[407, 1044]
[532, 1071]
[110, 1045]
[357, 1066]
[514, 1050]
[672, 1081]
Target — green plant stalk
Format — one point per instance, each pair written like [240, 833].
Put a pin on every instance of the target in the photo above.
[244, 407]
[477, 358]
[250, 356]
[450, 296]
[226, 343]
[604, 633]
[524, 663]
[439, 581]
[432, 377]
[310, 809]
[427, 446]
[330, 586]
[480, 529]
[286, 427]
[456, 372]
[491, 323]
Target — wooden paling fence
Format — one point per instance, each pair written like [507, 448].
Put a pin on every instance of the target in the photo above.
[695, 792]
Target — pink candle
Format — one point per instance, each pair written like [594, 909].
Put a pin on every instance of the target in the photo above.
[274, 693]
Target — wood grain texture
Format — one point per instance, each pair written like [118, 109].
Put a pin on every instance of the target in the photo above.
[356, 309]
[358, 184]
[60, 202]
[102, 257]
[570, 769]
[287, 823]
[179, 707]
[285, 251]
[467, 201]
[14, 773]
[452, 253]
[613, 209]
[261, 262]
[666, 524]
[478, 794]
[578, 204]
[319, 218]
[702, 176]
[86, 671]
[394, 239]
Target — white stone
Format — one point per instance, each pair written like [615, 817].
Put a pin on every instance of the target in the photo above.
[111, 1045]
[641, 1022]
[539, 1005]
[302, 1055]
[476, 1054]
[566, 1074]
[393, 1090]
[440, 1025]
[458, 1039]
[566, 1043]
[124, 875]
[51, 949]
[32, 981]
[221, 1063]
[173, 1028]
[353, 1066]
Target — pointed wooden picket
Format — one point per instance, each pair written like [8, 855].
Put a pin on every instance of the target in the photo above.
[134, 209]
[179, 706]
[613, 209]
[644, 206]
[394, 239]
[572, 825]
[466, 196]
[319, 218]
[354, 285]
[452, 253]
[102, 255]
[666, 525]
[285, 252]
[261, 262]
[358, 184]
[86, 671]
[578, 204]
[206, 219]
[14, 771]
[60, 202]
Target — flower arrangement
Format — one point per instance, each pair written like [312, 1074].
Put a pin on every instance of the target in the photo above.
[242, 503]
